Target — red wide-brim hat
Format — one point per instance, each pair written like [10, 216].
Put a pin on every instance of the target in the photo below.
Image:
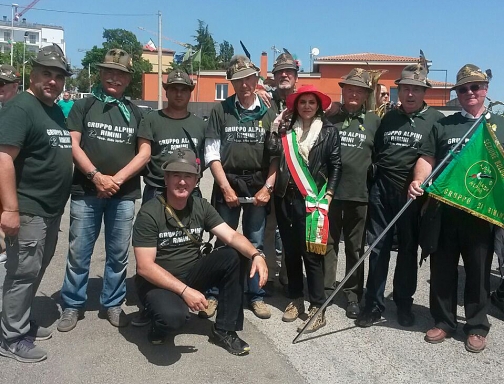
[292, 98]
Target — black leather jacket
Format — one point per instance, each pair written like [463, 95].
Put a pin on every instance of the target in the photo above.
[324, 159]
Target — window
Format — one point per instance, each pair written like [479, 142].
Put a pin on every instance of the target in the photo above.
[6, 35]
[44, 40]
[221, 91]
[32, 38]
[393, 95]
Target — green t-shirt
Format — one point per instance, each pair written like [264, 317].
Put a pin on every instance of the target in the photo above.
[448, 131]
[357, 144]
[66, 106]
[175, 252]
[242, 142]
[398, 140]
[44, 164]
[109, 141]
[166, 135]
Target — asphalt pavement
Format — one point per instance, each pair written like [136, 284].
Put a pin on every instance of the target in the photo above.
[96, 352]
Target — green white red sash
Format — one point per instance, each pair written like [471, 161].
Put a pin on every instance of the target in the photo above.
[317, 207]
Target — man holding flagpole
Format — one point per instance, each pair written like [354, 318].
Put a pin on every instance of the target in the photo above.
[464, 229]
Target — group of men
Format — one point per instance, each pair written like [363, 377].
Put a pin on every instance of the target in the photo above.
[112, 144]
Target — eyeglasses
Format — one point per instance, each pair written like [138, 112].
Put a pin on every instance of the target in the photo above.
[384, 94]
[473, 88]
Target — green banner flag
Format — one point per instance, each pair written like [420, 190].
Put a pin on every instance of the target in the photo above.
[187, 55]
[474, 179]
[197, 57]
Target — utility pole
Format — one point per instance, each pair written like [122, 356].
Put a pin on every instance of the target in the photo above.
[160, 64]
[24, 58]
[89, 68]
[14, 10]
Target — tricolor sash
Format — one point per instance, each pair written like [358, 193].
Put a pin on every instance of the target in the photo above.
[317, 207]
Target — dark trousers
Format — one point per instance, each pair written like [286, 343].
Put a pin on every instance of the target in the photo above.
[499, 250]
[330, 264]
[224, 268]
[349, 216]
[466, 235]
[385, 201]
[291, 217]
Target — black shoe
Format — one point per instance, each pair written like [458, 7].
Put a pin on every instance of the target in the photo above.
[405, 317]
[156, 336]
[230, 341]
[368, 316]
[497, 301]
[141, 319]
[352, 310]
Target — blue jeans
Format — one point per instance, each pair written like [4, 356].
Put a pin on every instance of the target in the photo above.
[86, 215]
[253, 224]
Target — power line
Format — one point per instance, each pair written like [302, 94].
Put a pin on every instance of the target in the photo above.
[89, 13]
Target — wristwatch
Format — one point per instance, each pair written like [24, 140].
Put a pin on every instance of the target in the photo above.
[260, 254]
[268, 187]
[91, 175]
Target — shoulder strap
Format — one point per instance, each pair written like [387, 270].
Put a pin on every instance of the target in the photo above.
[172, 213]
[87, 106]
[136, 113]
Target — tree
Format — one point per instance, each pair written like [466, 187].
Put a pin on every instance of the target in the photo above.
[79, 82]
[209, 58]
[226, 52]
[20, 52]
[126, 40]
[206, 43]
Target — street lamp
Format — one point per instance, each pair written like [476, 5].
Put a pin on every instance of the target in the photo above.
[24, 58]
[14, 10]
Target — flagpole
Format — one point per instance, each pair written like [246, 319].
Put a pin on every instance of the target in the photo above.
[198, 78]
[160, 65]
[192, 72]
[391, 224]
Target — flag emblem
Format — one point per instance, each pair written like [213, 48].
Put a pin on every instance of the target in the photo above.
[480, 179]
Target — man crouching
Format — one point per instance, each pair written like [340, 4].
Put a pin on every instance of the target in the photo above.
[171, 274]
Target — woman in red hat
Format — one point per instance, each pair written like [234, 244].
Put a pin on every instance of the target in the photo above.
[309, 171]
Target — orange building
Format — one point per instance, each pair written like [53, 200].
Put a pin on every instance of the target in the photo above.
[212, 86]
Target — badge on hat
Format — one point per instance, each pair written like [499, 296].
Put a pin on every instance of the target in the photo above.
[358, 77]
[178, 77]
[470, 73]
[118, 59]
[8, 74]
[53, 57]
[414, 74]
[285, 61]
[239, 67]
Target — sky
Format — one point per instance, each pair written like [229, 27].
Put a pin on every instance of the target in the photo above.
[451, 33]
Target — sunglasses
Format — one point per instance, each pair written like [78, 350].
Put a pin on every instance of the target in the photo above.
[473, 88]
[384, 94]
